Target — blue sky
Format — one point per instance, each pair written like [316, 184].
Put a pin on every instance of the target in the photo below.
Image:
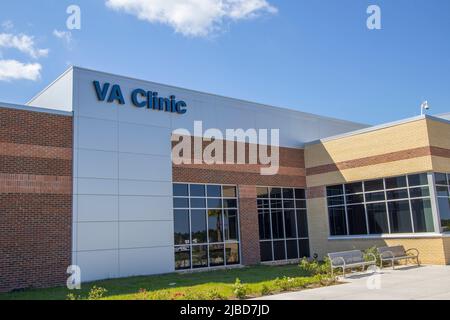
[314, 56]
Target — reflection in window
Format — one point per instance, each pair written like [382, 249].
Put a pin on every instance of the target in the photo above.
[283, 224]
[206, 226]
[443, 195]
[390, 205]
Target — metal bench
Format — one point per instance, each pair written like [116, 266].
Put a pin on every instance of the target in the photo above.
[350, 259]
[397, 253]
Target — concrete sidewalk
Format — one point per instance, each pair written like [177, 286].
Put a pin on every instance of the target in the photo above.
[404, 283]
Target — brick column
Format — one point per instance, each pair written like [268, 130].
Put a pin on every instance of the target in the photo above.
[248, 218]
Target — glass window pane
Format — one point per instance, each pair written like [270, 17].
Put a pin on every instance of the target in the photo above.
[289, 224]
[397, 182]
[198, 203]
[288, 204]
[373, 185]
[419, 192]
[214, 203]
[262, 192]
[300, 194]
[197, 190]
[277, 224]
[231, 225]
[302, 224]
[216, 255]
[229, 191]
[199, 256]
[288, 193]
[337, 221]
[181, 227]
[441, 178]
[444, 211]
[375, 196]
[442, 191]
[303, 246]
[232, 253]
[353, 187]
[275, 193]
[355, 198]
[265, 248]
[397, 194]
[230, 203]
[356, 219]
[214, 191]
[182, 257]
[180, 190]
[181, 202]
[335, 201]
[279, 250]
[418, 180]
[291, 248]
[198, 225]
[300, 204]
[276, 204]
[422, 215]
[335, 190]
[263, 204]
[377, 215]
[400, 217]
[215, 226]
[264, 225]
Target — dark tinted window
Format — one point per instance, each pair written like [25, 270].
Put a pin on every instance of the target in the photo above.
[303, 246]
[214, 191]
[356, 219]
[337, 221]
[335, 190]
[422, 215]
[291, 248]
[277, 225]
[375, 196]
[377, 216]
[214, 203]
[397, 194]
[300, 194]
[355, 198]
[262, 192]
[441, 178]
[275, 193]
[180, 190]
[279, 250]
[197, 190]
[181, 227]
[199, 256]
[232, 253]
[290, 225]
[288, 193]
[181, 202]
[418, 180]
[400, 217]
[198, 225]
[373, 185]
[231, 225]
[198, 203]
[302, 224]
[215, 226]
[419, 192]
[397, 182]
[353, 187]
[266, 250]
[216, 255]
[264, 225]
[182, 257]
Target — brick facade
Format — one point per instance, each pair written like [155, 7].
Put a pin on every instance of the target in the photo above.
[291, 173]
[35, 198]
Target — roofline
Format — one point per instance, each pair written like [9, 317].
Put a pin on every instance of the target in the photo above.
[35, 109]
[377, 127]
[50, 85]
[275, 108]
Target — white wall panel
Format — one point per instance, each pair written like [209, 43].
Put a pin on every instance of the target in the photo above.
[134, 208]
[146, 234]
[97, 235]
[145, 167]
[98, 208]
[98, 186]
[97, 134]
[144, 188]
[144, 261]
[101, 264]
[144, 139]
[97, 164]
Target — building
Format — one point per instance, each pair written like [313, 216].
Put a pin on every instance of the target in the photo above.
[87, 179]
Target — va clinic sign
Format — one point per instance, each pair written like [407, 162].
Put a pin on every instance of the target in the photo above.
[139, 98]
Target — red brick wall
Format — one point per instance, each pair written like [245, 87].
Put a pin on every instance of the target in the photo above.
[246, 177]
[35, 199]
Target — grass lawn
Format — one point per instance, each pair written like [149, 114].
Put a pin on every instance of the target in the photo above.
[258, 280]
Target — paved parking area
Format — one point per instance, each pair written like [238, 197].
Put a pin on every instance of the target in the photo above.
[404, 283]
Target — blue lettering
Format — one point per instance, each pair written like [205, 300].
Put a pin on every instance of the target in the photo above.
[116, 94]
[181, 107]
[101, 92]
[134, 98]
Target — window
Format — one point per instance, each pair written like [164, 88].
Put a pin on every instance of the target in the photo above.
[390, 205]
[283, 224]
[443, 198]
[206, 226]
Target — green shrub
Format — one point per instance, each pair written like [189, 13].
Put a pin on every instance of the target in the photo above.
[216, 295]
[192, 295]
[160, 295]
[368, 254]
[72, 297]
[97, 293]
[265, 290]
[240, 290]
[142, 294]
[314, 267]
[286, 283]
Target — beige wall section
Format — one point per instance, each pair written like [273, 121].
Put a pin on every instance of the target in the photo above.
[439, 133]
[433, 250]
[404, 136]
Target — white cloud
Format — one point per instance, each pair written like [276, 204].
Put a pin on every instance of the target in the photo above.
[23, 43]
[7, 25]
[16, 70]
[193, 17]
[65, 36]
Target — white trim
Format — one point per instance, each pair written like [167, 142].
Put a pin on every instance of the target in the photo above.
[392, 236]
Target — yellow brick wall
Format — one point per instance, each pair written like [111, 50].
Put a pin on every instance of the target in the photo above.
[439, 133]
